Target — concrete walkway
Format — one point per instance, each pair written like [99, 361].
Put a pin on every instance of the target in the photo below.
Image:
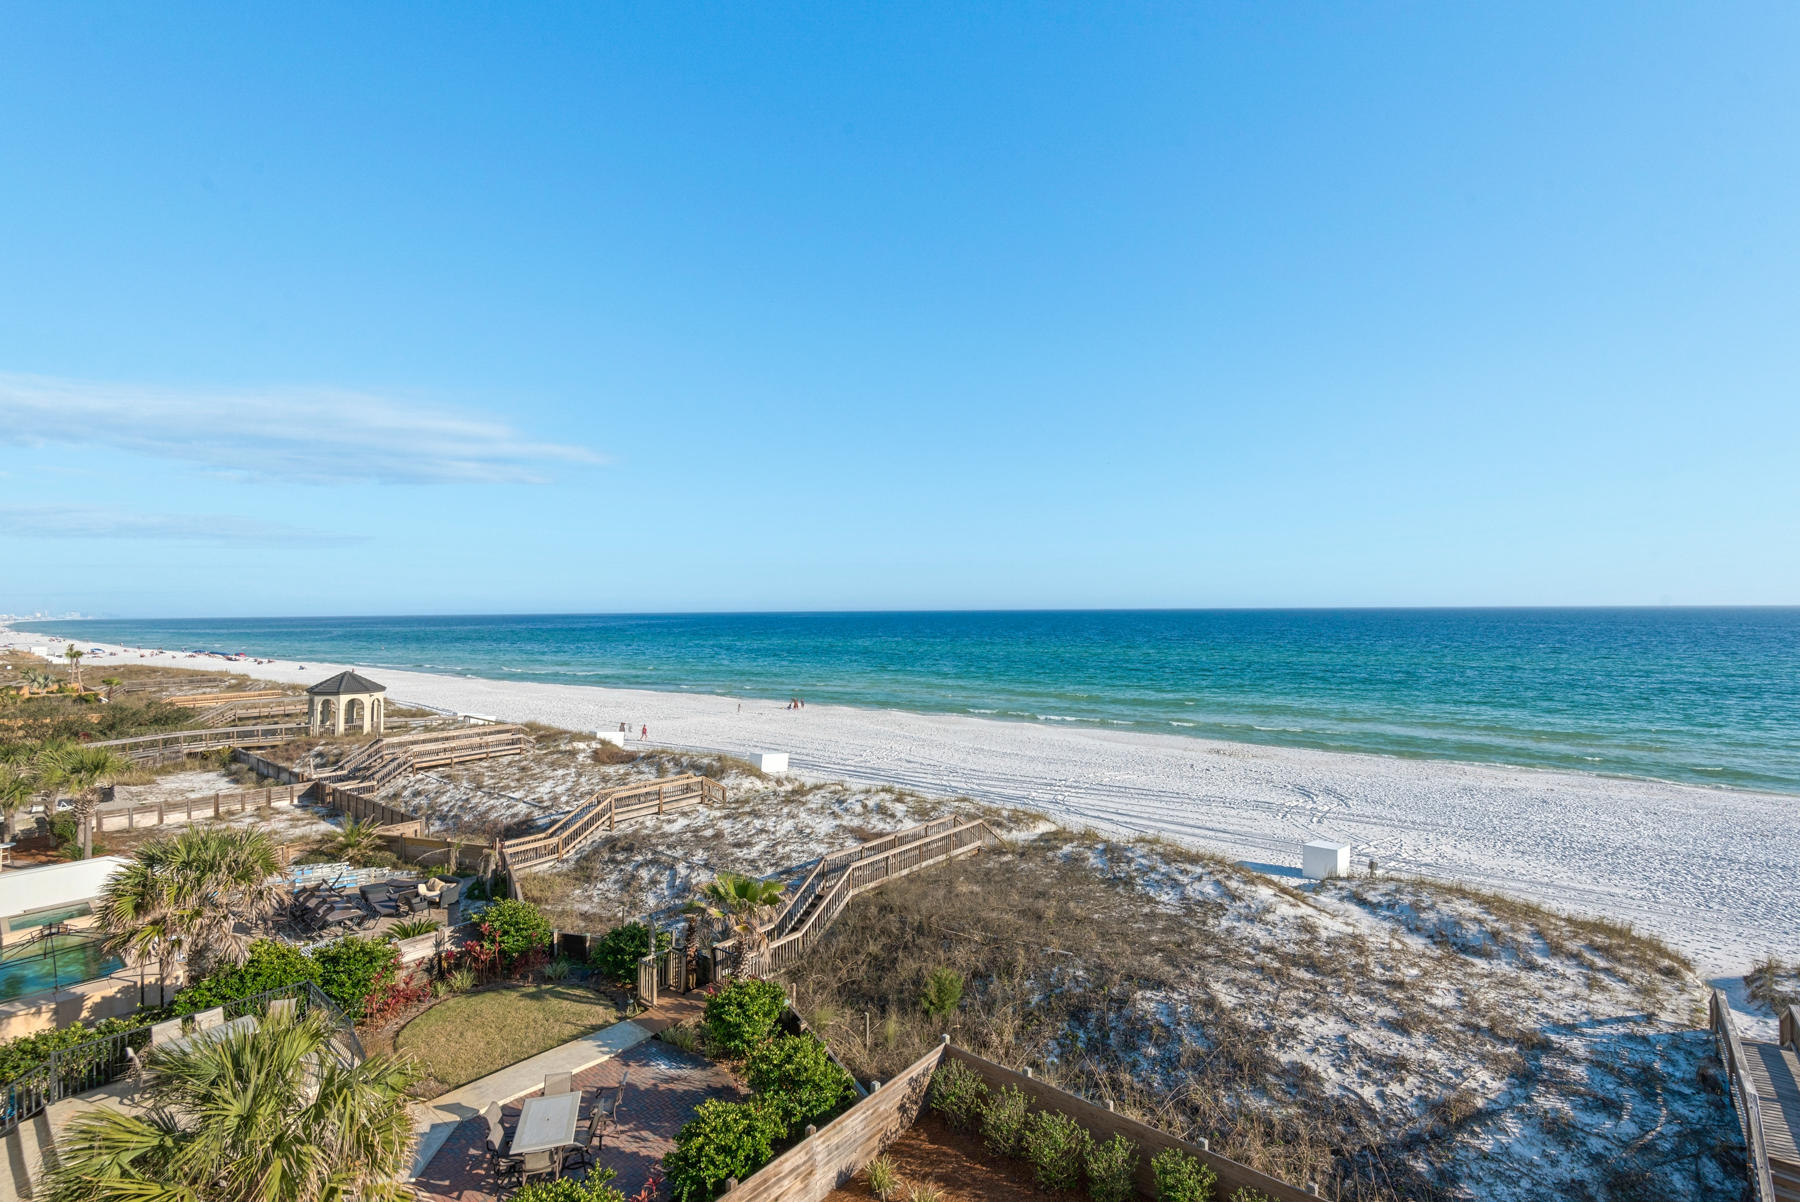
[437, 1119]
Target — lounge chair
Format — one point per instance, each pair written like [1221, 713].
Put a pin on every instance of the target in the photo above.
[380, 898]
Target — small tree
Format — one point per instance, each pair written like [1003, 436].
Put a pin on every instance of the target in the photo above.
[353, 969]
[359, 842]
[111, 683]
[942, 992]
[73, 654]
[742, 905]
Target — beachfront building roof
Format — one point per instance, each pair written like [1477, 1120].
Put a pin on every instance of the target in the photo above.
[347, 700]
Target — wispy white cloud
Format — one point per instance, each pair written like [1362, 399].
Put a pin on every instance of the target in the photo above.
[85, 521]
[301, 435]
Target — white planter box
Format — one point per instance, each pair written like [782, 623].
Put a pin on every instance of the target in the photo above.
[1320, 860]
[615, 737]
[770, 763]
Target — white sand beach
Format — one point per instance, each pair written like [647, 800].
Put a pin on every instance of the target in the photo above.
[1715, 872]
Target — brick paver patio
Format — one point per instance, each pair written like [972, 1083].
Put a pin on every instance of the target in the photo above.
[664, 1087]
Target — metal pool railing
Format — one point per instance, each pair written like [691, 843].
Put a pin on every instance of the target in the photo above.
[100, 1061]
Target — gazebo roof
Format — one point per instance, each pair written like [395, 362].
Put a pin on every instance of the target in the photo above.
[346, 682]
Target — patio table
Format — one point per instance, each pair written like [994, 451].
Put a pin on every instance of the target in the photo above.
[247, 1023]
[546, 1124]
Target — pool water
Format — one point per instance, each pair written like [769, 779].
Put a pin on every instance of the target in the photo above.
[53, 963]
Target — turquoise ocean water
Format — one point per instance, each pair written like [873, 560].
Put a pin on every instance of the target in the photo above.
[1707, 696]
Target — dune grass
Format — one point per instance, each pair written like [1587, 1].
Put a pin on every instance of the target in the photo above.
[464, 1038]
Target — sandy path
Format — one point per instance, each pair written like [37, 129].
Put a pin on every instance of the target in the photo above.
[1715, 872]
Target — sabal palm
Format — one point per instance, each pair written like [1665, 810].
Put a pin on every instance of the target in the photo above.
[86, 770]
[195, 896]
[745, 905]
[358, 843]
[17, 785]
[73, 654]
[270, 1115]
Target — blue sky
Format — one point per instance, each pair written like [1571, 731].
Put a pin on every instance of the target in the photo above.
[376, 309]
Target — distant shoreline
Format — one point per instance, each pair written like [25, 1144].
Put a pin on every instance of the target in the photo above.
[1713, 870]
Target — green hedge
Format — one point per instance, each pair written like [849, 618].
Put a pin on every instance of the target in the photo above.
[616, 953]
[723, 1139]
[271, 964]
[796, 1075]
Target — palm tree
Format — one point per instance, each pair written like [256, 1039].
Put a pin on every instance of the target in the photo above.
[111, 683]
[359, 842]
[73, 654]
[270, 1115]
[87, 770]
[743, 905]
[17, 785]
[193, 898]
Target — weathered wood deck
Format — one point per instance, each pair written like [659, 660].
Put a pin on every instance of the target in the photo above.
[1765, 1090]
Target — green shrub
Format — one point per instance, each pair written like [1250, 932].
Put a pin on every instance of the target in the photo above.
[595, 1188]
[943, 990]
[514, 928]
[1003, 1120]
[1246, 1194]
[1111, 1169]
[1055, 1147]
[797, 1077]
[684, 1036]
[1182, 1178]
[957, 1093]
[353, 969]
[618, 951]
[743, 1015]
[723, 1139]
[559, 969]
[270, 964]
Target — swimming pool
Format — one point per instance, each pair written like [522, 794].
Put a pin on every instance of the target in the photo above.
[55, 962]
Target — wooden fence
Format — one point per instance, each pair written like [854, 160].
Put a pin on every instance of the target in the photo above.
[129, 815]
[605, 810]
[205, 700]
[1743, 1094]
[826, 1160]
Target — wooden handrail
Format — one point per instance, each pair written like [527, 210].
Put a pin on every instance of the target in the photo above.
[575, 828]
[1743, 1090]
[1790, 1028]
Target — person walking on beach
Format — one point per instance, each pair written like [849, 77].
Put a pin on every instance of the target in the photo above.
[644, 733]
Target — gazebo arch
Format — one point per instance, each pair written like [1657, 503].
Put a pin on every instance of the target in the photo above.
[347, 700]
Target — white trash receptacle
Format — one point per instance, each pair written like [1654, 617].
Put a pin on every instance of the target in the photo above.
[770, 763]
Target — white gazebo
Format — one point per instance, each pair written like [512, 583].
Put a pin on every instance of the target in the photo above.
[347, 701]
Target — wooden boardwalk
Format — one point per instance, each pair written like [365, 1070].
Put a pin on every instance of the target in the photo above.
[1774, 1073]
[1765, 1090]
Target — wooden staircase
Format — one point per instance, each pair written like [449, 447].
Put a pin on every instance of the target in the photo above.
[1765, 1091]
[822, 895]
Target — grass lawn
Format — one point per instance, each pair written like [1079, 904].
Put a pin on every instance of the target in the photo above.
[464, 1038]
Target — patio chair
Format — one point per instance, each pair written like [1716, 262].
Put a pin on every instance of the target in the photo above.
[506, 1167]
[452, 893]
[589, 1137]
[555, 1083]
[540, 1164]
[161, 1033]
[206, 1020]
[408, 899]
